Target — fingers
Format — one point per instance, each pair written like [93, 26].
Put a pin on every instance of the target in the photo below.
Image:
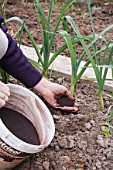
[4, 94]
[4, 89]
[2, 103]
[71, 109]
[76, 104]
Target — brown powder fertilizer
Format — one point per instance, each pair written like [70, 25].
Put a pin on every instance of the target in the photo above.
[19, 125]
[65, 101]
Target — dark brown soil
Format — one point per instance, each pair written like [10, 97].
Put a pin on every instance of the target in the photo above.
[79, 143]
[65, 101]
[20, 126]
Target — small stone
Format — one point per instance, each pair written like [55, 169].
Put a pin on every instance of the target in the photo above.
[111, 144]
[91, 151]
[88, 125]
[57, 148]
[92, 122]
[107, 142]
[94, 108]
[80, 155]
[82, 145]
[56, 116]
[68, 159]
[46, 165]
[98, 164]
[53, 163]
[100, 141]
[107, 103]
[59, 80]
[71, 143]
[80, 117]
[102, 158]
[107, 151]
[66, 162]
[63, 143]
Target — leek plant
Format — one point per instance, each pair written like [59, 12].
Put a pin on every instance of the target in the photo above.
[100, 72]
[3, 3]
[43, 56]
[4, 76]
[103, 68]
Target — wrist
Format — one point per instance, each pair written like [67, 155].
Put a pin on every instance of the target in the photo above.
[41, 87]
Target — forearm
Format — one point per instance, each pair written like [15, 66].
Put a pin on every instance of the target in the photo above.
[15, 62]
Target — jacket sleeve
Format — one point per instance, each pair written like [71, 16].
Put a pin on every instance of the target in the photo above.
[16, 64]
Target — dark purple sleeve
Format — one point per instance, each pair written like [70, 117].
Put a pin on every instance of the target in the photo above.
[16, 64]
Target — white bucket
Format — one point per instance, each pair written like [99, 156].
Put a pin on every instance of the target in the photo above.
[12, 149]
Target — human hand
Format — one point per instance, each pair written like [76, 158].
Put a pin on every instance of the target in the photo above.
[4, 94]
[52, 91]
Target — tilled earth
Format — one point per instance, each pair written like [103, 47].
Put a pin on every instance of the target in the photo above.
[79, 143]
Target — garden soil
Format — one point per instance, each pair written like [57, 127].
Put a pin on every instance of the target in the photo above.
[79, 143]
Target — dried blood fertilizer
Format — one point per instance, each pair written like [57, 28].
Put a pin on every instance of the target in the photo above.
[65, 101]
[19, 125]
